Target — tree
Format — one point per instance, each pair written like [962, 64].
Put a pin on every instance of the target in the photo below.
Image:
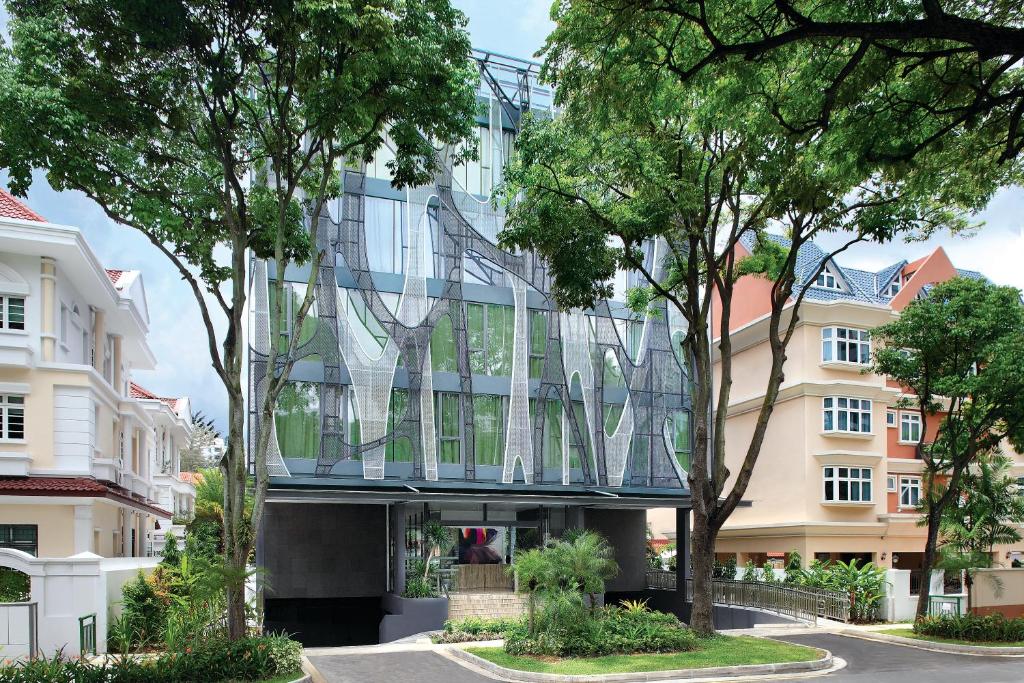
[203, 435]
[217, 130]
[934, 82]
[960, 351]
[640, 157]
[989, 512]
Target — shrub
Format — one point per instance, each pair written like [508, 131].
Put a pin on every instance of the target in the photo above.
[216, 660]
[989, 628]
[725, 570]
[475, 628]
[142, 617]
[418, 587]
[865, 584]
[613, 630]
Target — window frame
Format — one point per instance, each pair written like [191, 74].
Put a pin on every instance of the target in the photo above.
[909, 484]
[830, 405]
[890, 419]
[891, 485]
[838, 479]
[909, 420]
[822, 281]
[5, 312]
[443, 438]
[832, 341]
[7, 406]
[7, 539]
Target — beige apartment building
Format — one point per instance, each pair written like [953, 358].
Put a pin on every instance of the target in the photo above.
[88, 460]
[837, 477]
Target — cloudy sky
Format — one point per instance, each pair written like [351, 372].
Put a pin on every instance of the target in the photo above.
[516, 29]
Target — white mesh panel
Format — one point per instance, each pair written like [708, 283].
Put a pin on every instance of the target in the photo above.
[577, 361]
[519, 441]
[259, 305]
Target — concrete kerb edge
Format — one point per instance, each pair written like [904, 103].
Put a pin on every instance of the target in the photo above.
[949, 648]
[313, 675]
[745, 672]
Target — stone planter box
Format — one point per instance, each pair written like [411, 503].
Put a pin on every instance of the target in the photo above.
[408, 616]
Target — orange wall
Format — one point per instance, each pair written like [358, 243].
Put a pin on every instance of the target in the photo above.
[936, 267]
[751, 299]
[895, 449]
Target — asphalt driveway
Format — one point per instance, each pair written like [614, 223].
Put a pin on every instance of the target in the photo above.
[866, 661]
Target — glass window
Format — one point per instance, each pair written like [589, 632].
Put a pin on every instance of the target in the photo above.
[843, 414]
[827, 280]
[678, 424]
[12, 416]
[612, 415]
[24, 537]
[890, 484]
[12, 313]
[490, 329]
[847, 484]
[385, 235]
[489, 427]
[613, 377]
[295, 293]
[845, 345]
[910, 427]
[538, 342]
[890, 418]
[297, 420]
[910, 491]
[442, 347]
[449, 432]
[400, 449]
[553, 434]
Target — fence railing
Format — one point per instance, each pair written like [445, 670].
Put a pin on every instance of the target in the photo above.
[87, 634]
[940, 605]
[799, 602]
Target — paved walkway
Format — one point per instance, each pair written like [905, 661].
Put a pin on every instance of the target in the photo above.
[867, 661]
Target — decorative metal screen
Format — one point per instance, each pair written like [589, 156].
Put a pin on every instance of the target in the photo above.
[449, 231]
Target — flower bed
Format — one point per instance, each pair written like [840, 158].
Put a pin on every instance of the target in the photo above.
[971, 628]
[476, 628]
[248, 659]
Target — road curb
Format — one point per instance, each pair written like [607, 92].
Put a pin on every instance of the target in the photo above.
[718, 672]
[952, 648]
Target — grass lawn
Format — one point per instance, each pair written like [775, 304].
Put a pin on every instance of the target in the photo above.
[717, 651]
[283, 678]
[907, 633]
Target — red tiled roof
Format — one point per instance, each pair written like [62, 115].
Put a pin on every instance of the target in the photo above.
[13, 208]
[74, 486]
[114, 275]
[138, 391]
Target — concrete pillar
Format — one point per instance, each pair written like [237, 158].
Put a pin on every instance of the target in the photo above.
[99, 336]
[116, 361]
[397, 525]
[48, 307]
[683, 570]
[127, 524]
[83, 529]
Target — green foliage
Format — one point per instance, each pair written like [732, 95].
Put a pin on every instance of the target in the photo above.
[725, 570]
[750, 571]
[170, 555]
[142, 616]
[476, 628]
[567, 629]
[794, 565]
[864, 584]
[989, 512]
[417, 586]
[992, 628]
[248, 659]
[15, 586]
[768, 573]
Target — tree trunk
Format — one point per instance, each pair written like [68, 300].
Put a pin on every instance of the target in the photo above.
[236, 548]
[930, 548]
[702, 561]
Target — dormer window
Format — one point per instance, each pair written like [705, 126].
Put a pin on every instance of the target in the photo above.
[894, 287]
[827, 280]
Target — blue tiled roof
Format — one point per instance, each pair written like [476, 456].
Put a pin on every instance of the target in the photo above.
[858, 285]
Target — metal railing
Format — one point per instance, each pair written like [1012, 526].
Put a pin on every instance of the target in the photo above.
[799, 602]
[87, 634]
[941, 605]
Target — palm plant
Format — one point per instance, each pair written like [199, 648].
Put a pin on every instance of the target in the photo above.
[583, 563]
[437, 539]
[990, 508]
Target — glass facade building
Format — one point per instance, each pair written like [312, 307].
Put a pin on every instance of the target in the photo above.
[432, 355]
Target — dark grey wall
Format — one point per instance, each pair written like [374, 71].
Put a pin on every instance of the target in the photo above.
[314, 550]
[626, 530]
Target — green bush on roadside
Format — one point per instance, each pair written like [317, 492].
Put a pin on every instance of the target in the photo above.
[248, 659]
[475, 628]
[627, 629]
[994, 628]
